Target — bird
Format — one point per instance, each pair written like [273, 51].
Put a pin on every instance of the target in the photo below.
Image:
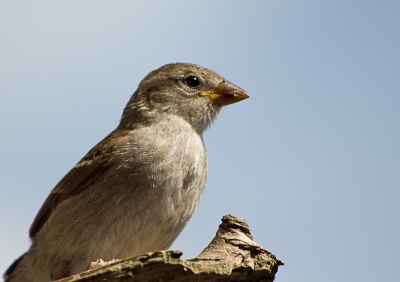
[136, 190]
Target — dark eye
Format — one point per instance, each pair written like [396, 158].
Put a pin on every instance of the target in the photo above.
[192, 81]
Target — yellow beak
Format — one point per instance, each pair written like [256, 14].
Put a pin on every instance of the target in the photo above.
[225, 93]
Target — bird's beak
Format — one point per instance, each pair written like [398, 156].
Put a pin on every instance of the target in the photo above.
[225, 93]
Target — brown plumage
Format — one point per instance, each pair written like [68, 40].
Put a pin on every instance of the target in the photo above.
[135, 191]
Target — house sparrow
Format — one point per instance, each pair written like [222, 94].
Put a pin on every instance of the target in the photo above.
[136, 190]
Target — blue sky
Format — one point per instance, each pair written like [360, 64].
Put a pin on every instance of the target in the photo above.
[312, 162]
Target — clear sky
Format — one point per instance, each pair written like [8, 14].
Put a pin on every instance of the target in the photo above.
[312, 162]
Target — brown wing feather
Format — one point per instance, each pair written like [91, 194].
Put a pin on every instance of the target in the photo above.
[94, 164]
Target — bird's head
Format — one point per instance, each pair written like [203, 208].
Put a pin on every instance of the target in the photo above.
[188, 91]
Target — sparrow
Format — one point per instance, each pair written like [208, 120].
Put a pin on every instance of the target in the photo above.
[136, 190]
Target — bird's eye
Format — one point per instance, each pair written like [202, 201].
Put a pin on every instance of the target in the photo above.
[192, 81]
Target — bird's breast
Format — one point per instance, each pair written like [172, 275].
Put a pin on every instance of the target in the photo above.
[164, 171]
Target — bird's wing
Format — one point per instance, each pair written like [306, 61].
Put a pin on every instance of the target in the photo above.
[93, 165]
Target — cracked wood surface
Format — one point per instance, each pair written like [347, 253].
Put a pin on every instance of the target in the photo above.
[231, 256]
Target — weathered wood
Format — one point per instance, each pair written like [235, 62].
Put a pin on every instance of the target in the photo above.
[231, 256]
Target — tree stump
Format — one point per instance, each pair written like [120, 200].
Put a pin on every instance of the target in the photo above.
[231, 256]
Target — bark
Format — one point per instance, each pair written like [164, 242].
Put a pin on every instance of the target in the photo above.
[231, 256]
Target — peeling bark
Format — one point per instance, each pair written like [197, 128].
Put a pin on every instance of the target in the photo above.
[231, 256]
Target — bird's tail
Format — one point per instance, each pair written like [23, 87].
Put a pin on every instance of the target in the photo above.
[11, 268]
